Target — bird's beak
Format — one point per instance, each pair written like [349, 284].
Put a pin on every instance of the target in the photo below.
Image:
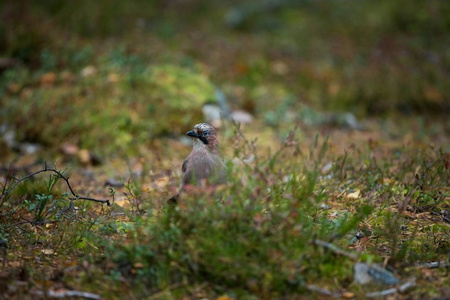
[192, 133]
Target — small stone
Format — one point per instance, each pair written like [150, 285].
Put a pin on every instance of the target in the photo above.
[211, 112]
[365, 273]
[359, 235]
[324, 206]
[326, 168]
[361, 275]
[88, 71]
[30, 148]
[249, 159]
[114, 183]
[350, 121]
[241, 116]
[69, 149]
[9, 137]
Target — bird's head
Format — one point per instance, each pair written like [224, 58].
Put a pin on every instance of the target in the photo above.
[204, 135]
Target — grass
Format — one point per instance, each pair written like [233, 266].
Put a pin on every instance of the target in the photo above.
[253, 237]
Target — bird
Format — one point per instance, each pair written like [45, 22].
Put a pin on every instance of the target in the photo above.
[203, 165]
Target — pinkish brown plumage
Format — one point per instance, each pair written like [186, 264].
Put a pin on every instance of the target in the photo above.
[203, 163]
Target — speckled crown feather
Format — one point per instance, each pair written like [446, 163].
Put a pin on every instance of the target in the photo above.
[210, 140]
[203, 126]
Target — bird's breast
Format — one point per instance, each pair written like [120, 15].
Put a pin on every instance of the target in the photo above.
[204, 165]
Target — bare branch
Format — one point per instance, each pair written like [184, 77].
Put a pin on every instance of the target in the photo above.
[336, 249]
[68, 294]
[19, 181]
[30, 222]
[401, 289]
[322, 291]
[66, 179]
[432, 265]
[90, 199]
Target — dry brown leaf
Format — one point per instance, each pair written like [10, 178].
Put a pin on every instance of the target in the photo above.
[48, 79]
[84, 156]
[47, 251]
[113, 77]
[88, 71]
[355, 195]
[138, 265]
[348, 295]
[224, 297]
[162, 182]
[122, 201]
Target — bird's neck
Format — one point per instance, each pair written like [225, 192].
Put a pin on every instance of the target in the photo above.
[210, 148]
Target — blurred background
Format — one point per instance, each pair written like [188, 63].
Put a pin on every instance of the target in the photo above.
[113, 77]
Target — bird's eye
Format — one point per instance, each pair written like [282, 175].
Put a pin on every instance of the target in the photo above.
[205, 132]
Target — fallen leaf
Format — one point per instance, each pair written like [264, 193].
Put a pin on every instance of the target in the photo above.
[84, 156]
[47, 251]
[280, 68]
[67, 76]
[88, 71]
[355, 195]
[14, 87]
[113, 77]
[348, 295]
[122, 202]
[48, 79]
[159, 184]
[162, 182]
[224, 297]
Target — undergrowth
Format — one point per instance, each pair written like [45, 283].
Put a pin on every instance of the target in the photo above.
[257, 235]
[254, 236]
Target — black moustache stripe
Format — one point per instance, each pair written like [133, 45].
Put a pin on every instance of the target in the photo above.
[205, 141]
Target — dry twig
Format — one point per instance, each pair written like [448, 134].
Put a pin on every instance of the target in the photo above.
[323, 291]
[68, 294]
[336, 249]
[66, 179]
[401, 289]
[432, 265]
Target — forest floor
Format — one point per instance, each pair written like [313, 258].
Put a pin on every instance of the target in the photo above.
[338, 162]
[400, 178]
